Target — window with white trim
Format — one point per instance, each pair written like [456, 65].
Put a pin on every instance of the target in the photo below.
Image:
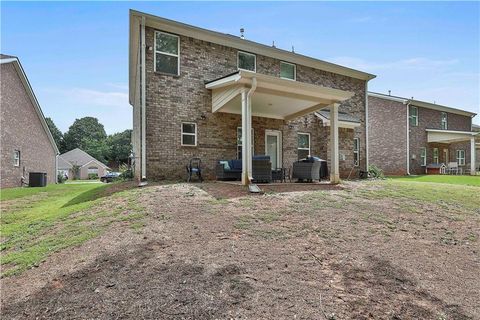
[435, 155]
[356, 152]
[303, 145]
[92, 170]
[423, 156]
[239, 142]
[189, 134]
[16, 158]
[461, 157]
[167, 53]
[247, 61]
[444, 121]
[288, 70]
[413, 116]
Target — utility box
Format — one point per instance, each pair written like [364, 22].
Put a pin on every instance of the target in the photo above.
[37, 179]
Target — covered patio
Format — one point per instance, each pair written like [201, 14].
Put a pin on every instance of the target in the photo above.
[450, 136]
[251, 94]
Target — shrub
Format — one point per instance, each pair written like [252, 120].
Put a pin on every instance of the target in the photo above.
[92, 176]
[375, 172]
[61, 178]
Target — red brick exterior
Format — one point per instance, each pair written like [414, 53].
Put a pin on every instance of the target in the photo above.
[172, 100]
[21, 129]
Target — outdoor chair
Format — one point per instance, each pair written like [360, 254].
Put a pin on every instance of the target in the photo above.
[452, 168]
[194, 167]
[232, 169]
[306, 170]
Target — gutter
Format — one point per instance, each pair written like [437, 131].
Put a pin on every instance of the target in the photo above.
[143, 99]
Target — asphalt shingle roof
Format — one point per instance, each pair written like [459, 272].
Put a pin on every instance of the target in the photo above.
[342, 116]
[77, 157]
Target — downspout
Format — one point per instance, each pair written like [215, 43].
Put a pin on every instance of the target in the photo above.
[408, 138]
[249, 131]
[143, 99]
[366, 125]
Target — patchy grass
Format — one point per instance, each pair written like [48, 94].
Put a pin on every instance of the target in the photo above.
[36, 222]
[462, 180]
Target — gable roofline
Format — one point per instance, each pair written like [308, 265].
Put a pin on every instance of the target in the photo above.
[227, 40]
[98, 162]
[28, 88]
[90, 158]
[423, 104]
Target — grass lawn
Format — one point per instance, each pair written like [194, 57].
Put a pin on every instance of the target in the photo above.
[450, 179]
[38, 221]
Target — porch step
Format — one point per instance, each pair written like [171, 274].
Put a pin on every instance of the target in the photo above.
[253, 188]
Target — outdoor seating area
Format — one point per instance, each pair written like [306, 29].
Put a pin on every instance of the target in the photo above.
[451, 168]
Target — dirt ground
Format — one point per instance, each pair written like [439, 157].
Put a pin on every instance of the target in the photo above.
[211, 252]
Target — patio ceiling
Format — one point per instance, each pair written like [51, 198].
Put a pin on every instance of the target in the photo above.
[273, 97]
[449, 136]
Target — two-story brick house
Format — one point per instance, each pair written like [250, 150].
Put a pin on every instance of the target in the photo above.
[194, 92]
[406, 135]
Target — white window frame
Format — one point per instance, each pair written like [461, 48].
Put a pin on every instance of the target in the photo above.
[250, 54]
[413, 116]
[444, 121]
[356, 152]
[461, 160]
[423, 156]
[166, 53]
[309, 143]
[93, 168]
[16, 158]
[188, 134]
[294, 71]
[435, 157]
[240, 142]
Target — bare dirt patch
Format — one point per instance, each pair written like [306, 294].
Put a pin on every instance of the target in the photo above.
[324, 254]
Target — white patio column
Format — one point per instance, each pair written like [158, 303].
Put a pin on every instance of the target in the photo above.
[335, 169]
[472, 156]
[246, 141]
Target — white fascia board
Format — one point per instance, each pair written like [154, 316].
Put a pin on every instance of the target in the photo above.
[98, 162]
[453, 132]
[387, 97]
[438, 107]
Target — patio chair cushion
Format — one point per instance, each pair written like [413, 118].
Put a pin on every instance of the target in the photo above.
[226, 165]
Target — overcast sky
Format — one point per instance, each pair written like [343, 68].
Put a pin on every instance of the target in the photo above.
[76, 54]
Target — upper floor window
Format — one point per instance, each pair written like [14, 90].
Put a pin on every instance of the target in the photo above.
[423, 156]
[461, 157]
[288, 70]
[303, 145]
[413, 116]
[247, 61]
[435, 155]
[16, 158]
[189, 134]
[444, 121]
[356, 152]
[167, 53]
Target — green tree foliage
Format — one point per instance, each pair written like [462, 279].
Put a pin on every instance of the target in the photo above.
[96, 148]
[120, 146]
[83, 131]
[56, 133]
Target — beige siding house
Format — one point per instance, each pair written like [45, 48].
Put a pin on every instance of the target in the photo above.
[26, 142]
[87, 165]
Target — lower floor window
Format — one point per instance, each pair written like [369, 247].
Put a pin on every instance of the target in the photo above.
[92, 170]
[423, 156]
[16, 158]
[303, 145]
[189, 134]
[356, 152]
[461, 157]
[435, 155]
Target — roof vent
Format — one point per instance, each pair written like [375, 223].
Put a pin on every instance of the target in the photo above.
[293, 49]
[241, 33]
[273, 44]
[389, 92]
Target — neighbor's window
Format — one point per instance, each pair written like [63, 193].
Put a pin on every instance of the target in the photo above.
[435, 155]
[413, 116]
[423, 156]
[247, 61]
[16, 158]
[461, 157]
[167, 53]
[239, 143]
[356, 152]
[189, 134]
[444, 120]
[288, 70]
[303, 145]
[92, 170]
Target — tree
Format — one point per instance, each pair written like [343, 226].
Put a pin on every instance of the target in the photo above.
[83, 130]
[56, 133]
[120, 146]
[96, 148]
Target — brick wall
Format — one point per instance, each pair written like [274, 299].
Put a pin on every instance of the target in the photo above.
[21, 130]
[174, 99]
[388, 135]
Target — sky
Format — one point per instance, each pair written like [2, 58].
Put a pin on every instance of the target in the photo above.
[76, 54]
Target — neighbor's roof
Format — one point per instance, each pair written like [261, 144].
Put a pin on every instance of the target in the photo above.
[422, 104]
[63, 164]
[342, 116]
[225, 40]
[29, 90]
[79, 157]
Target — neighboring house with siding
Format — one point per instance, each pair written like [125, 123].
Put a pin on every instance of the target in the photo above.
[406, 135]
[195, 91]
[87, 165]
[26, 142]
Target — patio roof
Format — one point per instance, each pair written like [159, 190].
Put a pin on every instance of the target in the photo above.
[449, 136]
[345, 120]
[273, 97]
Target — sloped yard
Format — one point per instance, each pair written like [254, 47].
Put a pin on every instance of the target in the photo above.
[382, 250]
